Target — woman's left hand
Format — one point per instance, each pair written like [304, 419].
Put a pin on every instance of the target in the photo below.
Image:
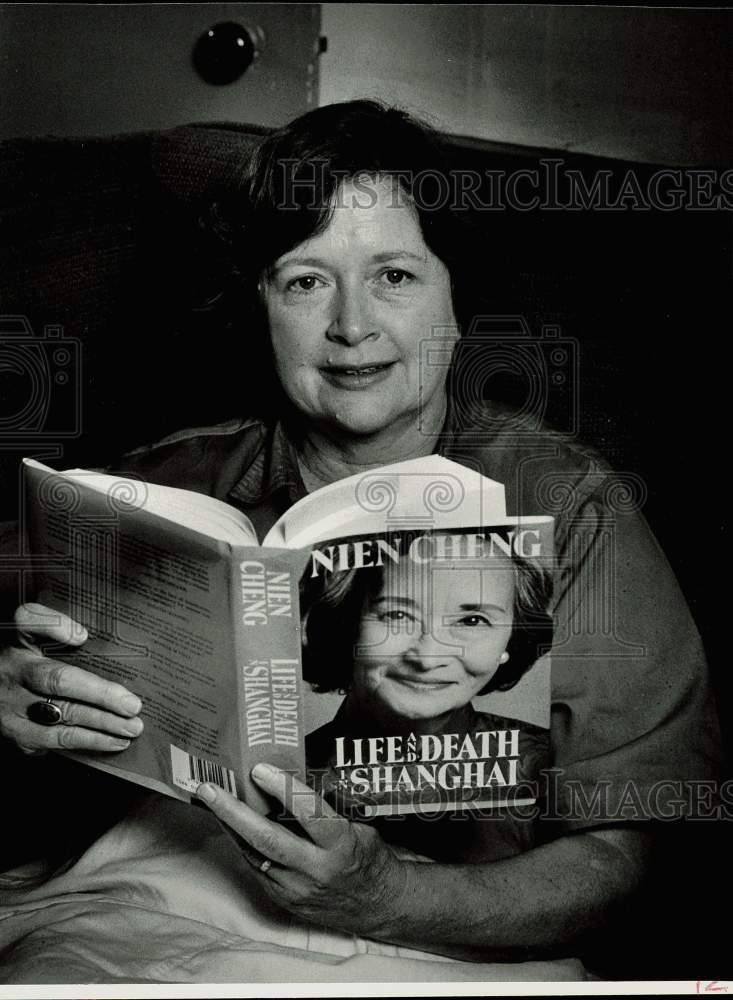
[341, 874]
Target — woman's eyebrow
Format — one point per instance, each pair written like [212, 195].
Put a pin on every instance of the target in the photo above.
[381, 258]
[377, 258]
[481, 607]
[396, 599]
[299, 261]
[409, 602]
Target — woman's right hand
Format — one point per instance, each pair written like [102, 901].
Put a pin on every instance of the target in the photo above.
[95, 714]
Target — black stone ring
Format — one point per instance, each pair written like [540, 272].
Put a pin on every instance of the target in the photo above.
[45, 713]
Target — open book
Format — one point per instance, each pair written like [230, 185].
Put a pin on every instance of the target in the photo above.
[388, 641]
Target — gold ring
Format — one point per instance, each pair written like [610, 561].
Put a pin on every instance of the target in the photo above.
[266, 866]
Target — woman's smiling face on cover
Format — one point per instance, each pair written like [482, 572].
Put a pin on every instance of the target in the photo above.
[349, 308]
[433, 637]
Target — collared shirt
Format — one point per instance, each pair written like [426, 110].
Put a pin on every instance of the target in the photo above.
[633, 719]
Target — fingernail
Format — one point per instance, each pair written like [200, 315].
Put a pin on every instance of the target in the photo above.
[263, 770]
[134, 727]
[206, 792]
[132, 704]
[119, 744]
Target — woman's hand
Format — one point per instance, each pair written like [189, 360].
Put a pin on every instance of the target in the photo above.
[95, 714]
[341, 874]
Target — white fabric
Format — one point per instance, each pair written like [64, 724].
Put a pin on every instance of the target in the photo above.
[165, 897]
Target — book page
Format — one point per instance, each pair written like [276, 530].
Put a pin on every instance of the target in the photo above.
[192, 510]
[430, 492]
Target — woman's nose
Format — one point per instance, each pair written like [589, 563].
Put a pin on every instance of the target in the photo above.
[427, 652]
[353, 321]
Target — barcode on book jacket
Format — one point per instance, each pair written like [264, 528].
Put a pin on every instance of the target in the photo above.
[189, 771]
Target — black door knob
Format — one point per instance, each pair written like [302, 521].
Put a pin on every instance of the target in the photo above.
[225, 52]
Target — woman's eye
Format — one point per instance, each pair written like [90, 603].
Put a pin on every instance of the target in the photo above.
[303, 283]
[396, 615]
[396, 278]
[473, 620]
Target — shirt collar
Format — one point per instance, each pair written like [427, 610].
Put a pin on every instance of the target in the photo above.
[273, 468]
[275, 464]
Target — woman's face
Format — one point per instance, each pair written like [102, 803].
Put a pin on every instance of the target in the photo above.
[433, 637]
[349, 309]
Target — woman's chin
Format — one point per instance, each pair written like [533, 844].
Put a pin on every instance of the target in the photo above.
[367, 412]
[361, 422]
[413, 715]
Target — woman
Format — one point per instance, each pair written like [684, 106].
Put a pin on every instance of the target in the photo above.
[357, 262]
[410, 646]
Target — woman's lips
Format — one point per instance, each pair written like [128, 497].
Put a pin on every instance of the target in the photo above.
[422, 685]
[356, 376]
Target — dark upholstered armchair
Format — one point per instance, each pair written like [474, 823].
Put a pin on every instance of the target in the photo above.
[96, 238]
